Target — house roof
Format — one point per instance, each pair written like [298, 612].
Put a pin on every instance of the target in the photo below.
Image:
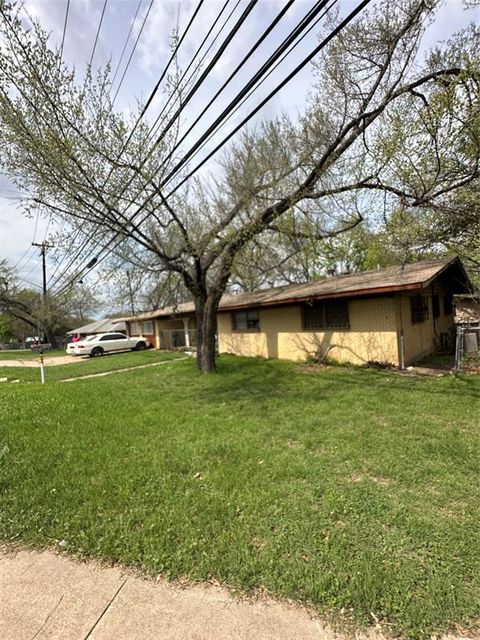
[417, 275]
[100, 326]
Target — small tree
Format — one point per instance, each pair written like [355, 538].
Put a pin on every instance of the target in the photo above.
[63, 142]
[30, 312]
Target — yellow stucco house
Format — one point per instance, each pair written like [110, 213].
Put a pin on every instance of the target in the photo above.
[395, 315]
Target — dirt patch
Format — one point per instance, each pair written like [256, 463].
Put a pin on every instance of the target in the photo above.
[380, 480]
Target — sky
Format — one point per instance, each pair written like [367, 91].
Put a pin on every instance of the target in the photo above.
[18, 232]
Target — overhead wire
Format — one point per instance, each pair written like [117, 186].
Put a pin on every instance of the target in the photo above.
[118, 89]
[133, 51]
[199, 82]
[255, 88]
[322, 4]
[278, 88]
[126, 42]
[98, 32]
[142, 113]
[251, 84]
[157, 124]
[64, 29]
[296, 70]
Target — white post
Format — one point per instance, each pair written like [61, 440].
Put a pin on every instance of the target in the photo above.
[185, 329]
[42, 368]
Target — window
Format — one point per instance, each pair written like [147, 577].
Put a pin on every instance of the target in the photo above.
[148, 327]
[418, 309]
[326, 315]
[135, 328]
[448, 305]
[113, 336]
[245, 320]
[436, 305]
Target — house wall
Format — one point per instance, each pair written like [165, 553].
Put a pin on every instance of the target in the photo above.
[372, 334]
[166, 325]
[157, 338]
[151, 336]
[423, 338]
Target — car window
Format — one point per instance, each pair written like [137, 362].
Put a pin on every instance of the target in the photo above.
[89, 338]
[111, 336]
[119, 336]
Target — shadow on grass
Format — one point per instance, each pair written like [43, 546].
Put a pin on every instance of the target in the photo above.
[253, 377]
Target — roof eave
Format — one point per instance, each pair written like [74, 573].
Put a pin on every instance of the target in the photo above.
[357, 293]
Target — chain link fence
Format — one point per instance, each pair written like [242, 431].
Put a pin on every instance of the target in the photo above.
[467, 348]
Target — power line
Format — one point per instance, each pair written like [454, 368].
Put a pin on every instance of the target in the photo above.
[142, 207]
[98, 33]
[280, 86]
[295, 71]
[284, 46]
[22, 257]
[144, 109]
[196, 87]
[199, 63]
[253, 89]
[64, 29]
[126, 42]
[118, 88]
[133, 51]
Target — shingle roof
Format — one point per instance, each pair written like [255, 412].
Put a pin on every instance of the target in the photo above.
[409, 276]
[100, 326]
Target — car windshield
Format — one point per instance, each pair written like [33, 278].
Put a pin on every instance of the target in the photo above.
[89, 338]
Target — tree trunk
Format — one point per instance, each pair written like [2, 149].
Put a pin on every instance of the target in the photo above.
[206, 313]
[51, 338]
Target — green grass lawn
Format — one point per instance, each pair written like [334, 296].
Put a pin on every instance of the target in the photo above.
[85, 366]
[353, 490]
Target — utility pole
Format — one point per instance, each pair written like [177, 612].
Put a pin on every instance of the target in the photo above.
[43, 251]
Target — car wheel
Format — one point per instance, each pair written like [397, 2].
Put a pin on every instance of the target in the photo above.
[96, 352]
[140, 346]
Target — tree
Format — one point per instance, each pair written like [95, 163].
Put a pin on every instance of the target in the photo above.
[28, 312]
[63, 142]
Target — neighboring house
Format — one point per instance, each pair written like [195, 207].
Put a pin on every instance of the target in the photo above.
[99, 326]
[396, 315]
[467, 309]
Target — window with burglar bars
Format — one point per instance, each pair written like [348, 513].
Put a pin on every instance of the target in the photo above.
[419, 309]
[326, 315]
[245, 320]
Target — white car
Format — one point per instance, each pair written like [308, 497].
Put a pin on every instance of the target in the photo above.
[102, 343]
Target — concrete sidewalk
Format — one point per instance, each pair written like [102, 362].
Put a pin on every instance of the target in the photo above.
[45, 596]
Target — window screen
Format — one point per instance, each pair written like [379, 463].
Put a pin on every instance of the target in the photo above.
[418, 309]
[245, 320]
[326, 315]
[135, 329]
[148, 327]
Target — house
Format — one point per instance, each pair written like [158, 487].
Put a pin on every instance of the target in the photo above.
[395, 315]
[106, 325]
[467, 309]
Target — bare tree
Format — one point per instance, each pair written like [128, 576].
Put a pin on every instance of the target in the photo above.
[63, 142]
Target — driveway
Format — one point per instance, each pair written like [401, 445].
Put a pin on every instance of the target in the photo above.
[49, 362]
